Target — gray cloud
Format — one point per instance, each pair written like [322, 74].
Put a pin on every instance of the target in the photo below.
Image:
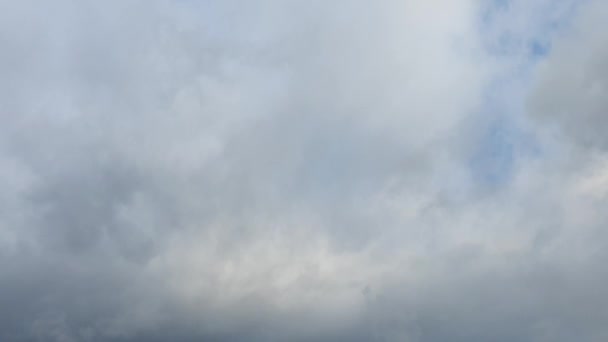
[569, 95]
[290, 170]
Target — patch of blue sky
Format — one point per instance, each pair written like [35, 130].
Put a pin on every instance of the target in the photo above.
[505, 138]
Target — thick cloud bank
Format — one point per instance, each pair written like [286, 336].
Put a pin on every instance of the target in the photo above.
[349, 170]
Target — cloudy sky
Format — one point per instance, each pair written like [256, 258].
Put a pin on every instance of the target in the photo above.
[290, 170]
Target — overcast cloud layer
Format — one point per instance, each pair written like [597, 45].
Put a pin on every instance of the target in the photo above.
[287, 170]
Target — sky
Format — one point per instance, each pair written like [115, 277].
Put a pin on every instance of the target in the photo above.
[290, 170]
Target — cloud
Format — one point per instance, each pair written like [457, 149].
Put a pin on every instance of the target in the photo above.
[296, 170]
[571, 83]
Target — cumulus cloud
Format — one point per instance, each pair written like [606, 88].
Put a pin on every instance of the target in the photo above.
[300, 170]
